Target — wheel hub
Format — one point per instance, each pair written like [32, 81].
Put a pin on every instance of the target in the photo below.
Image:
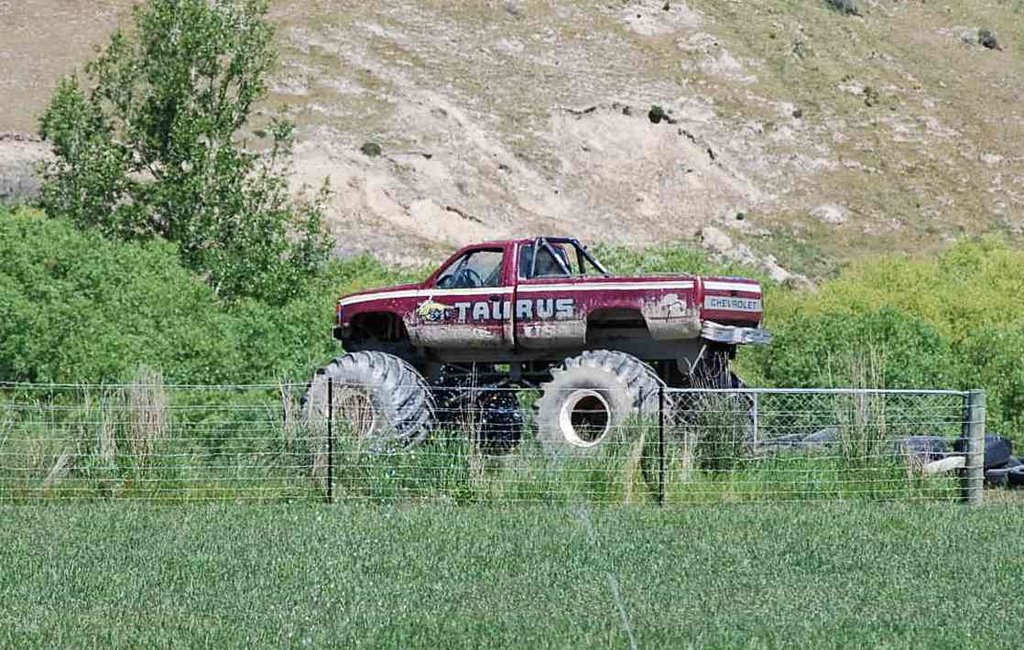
[585, 418]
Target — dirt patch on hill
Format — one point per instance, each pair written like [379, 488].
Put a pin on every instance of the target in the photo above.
[484, 153]
[632, 122]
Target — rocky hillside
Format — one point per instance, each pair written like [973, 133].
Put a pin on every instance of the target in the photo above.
[782, 128]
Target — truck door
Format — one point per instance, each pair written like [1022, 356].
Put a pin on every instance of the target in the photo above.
[467, 304]
[548, 294]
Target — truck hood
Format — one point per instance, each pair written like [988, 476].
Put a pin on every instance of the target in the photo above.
[412, 286]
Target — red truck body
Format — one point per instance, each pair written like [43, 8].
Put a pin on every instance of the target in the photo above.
[522, 312]
[539, 313]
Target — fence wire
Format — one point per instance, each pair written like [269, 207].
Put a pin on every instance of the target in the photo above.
[478, 445]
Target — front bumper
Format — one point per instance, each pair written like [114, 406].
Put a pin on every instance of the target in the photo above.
[730, 334]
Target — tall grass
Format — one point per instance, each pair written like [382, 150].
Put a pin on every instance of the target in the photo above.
[143, 440]
[147, 440]
[149, 417]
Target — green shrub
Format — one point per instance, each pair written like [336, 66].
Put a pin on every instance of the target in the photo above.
[952, 321]
[994, 360]
[971, 285]
[820, 350]
[75, 307]
[78, 307]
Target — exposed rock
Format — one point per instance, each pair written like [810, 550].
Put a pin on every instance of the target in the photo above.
[966, 35]
[988, 40]
[20, 156]
[846, 7]
[832, 213]
[851, 86]
[712, 58]
[716, 241]
[974, 36]
[655, 18]
[514, 8]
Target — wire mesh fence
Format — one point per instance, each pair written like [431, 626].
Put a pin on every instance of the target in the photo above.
[484, 445]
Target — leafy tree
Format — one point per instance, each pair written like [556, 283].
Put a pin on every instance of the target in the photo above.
[152, 146]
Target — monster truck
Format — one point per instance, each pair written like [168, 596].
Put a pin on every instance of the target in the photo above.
[532, 312]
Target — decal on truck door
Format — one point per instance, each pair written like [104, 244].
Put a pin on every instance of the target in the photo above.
[545, 308]
[432, 311]
[526, 309]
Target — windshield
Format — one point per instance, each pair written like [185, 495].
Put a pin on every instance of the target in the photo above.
[480, 268]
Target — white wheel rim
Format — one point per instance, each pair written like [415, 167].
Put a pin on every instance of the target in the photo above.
[585, 418]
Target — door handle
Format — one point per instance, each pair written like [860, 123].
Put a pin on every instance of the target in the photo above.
[496, 298]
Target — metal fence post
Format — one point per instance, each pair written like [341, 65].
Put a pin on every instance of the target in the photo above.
[756, 417]
[661, 445]
[973, 476]
[330, 440]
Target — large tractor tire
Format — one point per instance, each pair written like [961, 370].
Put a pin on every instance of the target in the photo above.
[589, 396]
[381, 403]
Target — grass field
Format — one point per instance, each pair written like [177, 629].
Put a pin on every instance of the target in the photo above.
[836, 575]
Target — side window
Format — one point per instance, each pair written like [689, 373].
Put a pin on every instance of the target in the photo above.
[475, 269]
[569, 257]
[547, 266]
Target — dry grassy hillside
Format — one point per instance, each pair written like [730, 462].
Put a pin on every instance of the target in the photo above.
[792, 129]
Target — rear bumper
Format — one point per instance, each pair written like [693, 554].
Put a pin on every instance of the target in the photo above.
[719, 333]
